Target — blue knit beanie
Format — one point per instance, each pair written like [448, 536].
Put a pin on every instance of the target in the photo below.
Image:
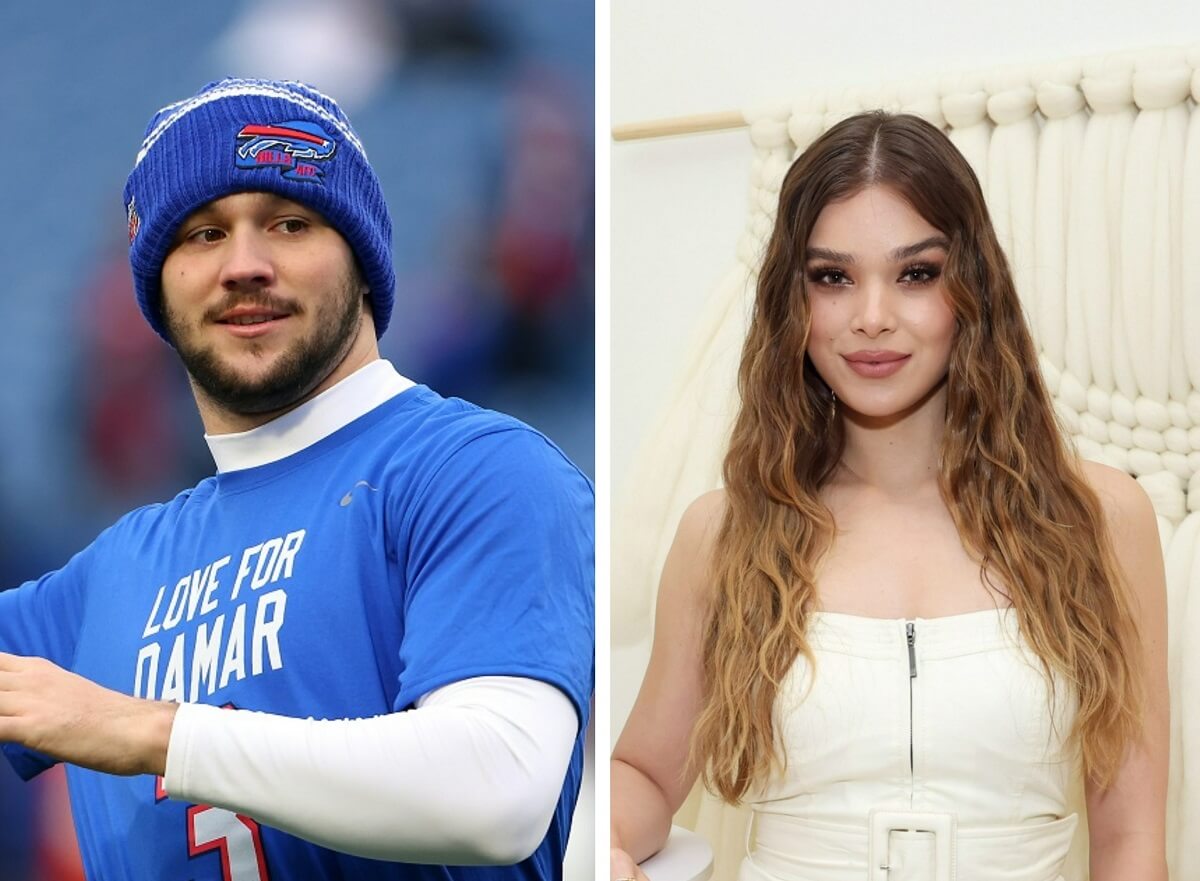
[239, 135]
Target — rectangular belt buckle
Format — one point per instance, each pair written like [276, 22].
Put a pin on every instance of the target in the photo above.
[883, 822]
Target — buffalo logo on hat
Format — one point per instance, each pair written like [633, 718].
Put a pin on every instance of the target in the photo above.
[285, 145]
[135, 222]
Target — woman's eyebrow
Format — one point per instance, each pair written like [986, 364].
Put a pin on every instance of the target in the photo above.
[827, 254]
[912, 250]
[901, 253]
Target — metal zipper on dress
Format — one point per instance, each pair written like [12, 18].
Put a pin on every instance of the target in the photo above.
[910, 630]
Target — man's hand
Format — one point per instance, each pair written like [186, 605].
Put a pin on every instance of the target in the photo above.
[56, 712]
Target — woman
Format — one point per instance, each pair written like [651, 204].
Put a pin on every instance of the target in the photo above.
[912, 618]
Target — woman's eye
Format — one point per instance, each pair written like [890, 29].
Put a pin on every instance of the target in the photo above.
[828, 277]
[293, 225]
[920, 274]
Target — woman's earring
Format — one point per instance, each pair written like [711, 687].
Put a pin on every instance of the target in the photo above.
[833, 395]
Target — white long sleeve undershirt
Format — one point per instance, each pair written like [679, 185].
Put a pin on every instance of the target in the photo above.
[471, 776]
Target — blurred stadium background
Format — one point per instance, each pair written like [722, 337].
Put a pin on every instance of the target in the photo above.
[478, 118]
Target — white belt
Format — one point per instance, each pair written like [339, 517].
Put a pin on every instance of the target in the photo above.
[906, 846]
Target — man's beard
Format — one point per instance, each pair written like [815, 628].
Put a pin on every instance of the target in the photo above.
[298, 370]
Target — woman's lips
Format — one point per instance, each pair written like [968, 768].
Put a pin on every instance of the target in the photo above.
[876, 366]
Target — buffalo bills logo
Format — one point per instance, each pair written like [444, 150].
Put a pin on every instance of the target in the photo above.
[135, 222]
[285, 145]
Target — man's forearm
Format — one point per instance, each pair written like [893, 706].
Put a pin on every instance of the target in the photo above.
[150, 723]
[64, 715]
[471, 777]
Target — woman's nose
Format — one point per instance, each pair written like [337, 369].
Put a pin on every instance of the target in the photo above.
[874, 313]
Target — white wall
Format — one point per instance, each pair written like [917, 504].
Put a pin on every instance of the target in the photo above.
[678, 204]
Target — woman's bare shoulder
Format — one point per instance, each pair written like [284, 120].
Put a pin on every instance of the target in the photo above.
[688, 562]
[704, 514]
[701, 520]
[1128, 512]
[1123, 497]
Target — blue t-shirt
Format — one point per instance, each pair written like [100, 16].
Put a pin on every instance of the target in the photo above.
[425, 542]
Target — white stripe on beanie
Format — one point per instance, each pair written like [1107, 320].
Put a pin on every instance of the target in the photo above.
[261, 88]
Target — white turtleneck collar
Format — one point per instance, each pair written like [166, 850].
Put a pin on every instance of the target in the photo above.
[337, 406]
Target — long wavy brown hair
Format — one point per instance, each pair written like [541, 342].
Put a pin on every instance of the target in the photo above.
[1017, 496]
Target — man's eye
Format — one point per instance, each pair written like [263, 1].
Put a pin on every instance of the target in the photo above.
[293, 225]
[208, 235]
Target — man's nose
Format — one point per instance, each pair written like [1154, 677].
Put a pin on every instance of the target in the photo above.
[248, 261]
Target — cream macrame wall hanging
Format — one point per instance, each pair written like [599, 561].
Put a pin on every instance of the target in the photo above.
[1091, 170]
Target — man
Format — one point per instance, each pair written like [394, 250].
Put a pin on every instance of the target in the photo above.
[364, 648]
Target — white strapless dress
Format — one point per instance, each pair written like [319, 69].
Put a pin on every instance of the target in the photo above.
[926, 750]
